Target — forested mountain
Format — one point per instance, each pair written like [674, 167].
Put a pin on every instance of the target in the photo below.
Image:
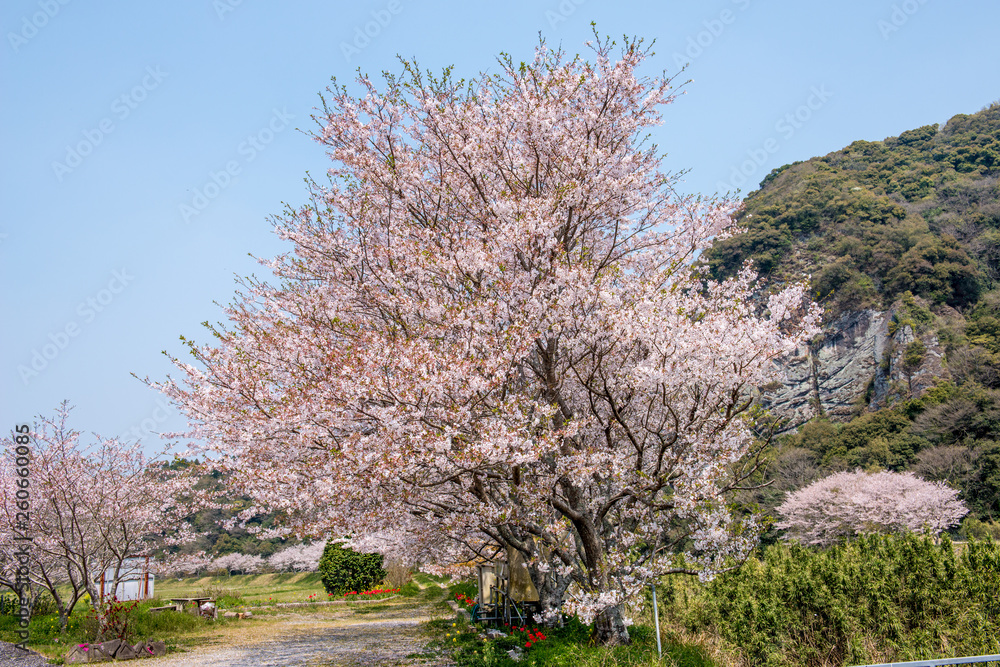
[917, 212]
[217, 539]
[901, 242]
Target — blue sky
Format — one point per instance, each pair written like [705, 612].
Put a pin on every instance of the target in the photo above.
[145, 145]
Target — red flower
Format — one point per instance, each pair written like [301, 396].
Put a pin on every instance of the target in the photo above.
[527, 644]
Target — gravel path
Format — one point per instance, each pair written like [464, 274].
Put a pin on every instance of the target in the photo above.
[348, 636]
[11, 656]
[381, 642]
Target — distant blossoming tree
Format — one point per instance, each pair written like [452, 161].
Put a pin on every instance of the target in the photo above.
[298, 558]
[491, 337]
[851, 503]
[239, 563]
[181, 565]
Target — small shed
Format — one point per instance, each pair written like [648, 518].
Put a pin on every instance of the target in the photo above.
[136, 582]
[506, 592]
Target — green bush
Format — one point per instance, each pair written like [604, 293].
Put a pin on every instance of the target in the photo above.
[344, 570]
[876, 599]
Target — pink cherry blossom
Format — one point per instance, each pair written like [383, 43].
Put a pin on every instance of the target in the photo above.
[490, 336]
[91, 508]
[850, 503]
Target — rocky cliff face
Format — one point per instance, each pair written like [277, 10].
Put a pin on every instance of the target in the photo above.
[863, 361]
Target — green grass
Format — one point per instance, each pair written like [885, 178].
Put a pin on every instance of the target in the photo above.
[566, 647]
[569, 646]
[46, 637]
[253, 588]
[410, 589]
[234, 592]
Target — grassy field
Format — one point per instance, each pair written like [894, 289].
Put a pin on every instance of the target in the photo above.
[253, 589]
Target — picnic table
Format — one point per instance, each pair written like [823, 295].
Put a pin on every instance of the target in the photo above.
[196, 602]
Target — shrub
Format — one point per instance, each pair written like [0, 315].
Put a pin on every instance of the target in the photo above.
[974, 529]
[398, 573]
[114, 620]
[879, 598]
[344, 570]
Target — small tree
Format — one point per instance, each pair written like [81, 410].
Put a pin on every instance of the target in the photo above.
[92, 507]
[239, 563]
[297, 558]
[851, 503]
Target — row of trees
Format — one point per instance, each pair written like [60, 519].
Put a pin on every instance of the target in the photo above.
[90, 507]
[491, 337]
[296, 558]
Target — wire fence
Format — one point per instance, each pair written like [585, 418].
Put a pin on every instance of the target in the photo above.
[941, 661]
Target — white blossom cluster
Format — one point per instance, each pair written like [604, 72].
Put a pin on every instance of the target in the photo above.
[852, 503]
[296, 558]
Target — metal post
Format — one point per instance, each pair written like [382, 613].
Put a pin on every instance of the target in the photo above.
[656, 621]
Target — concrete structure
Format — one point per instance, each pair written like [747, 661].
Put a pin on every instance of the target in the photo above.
[135, 580]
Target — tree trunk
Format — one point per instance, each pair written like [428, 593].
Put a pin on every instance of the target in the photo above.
[551, 593]
[609, 628]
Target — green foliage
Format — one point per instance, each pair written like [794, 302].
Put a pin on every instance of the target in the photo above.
[344, 570]
[974, 529]
[874, 440]
[566, 646]
[118, 621]
[917, 212]
[937, 268]
[913, 354]
[876, 599]
[216, 541]
[410, 589]
[959, 414]
[224, 596]
[982, 492]
[44, 606]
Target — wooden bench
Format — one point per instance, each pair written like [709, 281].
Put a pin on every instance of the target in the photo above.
[172, 607]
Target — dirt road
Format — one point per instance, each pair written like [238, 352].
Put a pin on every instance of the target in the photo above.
[353, 636]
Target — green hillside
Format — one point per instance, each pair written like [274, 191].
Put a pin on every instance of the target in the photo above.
[912, 224]
[917, 212]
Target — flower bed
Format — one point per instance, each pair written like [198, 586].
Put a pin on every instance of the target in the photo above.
[376, 594]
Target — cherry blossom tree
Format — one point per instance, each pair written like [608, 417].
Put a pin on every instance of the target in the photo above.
[92, 507]
[851, 503]
[492, 336]
[240, 563]
[297, 558]
[179, 565]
